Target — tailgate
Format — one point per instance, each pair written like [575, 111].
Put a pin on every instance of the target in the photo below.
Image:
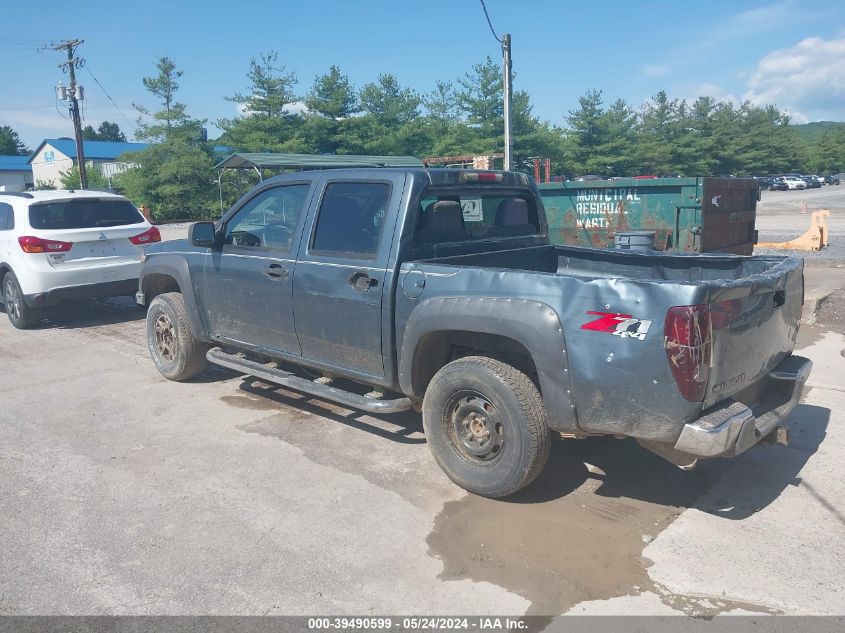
[95, 247]
[754, 324]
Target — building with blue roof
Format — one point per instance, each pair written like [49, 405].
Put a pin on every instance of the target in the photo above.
[15, 173]
[54, 156]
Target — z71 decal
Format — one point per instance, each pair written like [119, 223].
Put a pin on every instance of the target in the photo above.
[622, 325]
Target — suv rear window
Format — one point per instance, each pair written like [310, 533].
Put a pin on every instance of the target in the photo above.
[82, 213]
[457, 216]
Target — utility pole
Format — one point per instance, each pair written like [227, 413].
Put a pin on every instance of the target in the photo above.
[74, 95]
[508, 90]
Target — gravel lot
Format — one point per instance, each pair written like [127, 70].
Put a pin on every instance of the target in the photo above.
[123, 493]
[784, 215]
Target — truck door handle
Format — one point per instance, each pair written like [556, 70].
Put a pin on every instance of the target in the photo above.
[362, 282]
[276, 272]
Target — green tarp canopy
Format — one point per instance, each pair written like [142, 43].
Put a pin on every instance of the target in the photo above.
[314, 161]
[260, 162]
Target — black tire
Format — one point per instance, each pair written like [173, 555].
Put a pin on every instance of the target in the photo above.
[20, 314]
[177, 354]
[471, 406]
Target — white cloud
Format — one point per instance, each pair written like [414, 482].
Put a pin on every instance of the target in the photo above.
[712, 90]
[297, 107]
[744, 24]
[735, 27]
[807, 80]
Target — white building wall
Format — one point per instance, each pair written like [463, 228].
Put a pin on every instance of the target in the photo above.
[48, 165]
[112, 169]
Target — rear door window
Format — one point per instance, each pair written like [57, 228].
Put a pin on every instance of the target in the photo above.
[350, 219]
[450, 216]
[83, 213]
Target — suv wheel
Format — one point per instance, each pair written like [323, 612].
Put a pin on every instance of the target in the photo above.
[173, 348]
[485, 424]
[20, 314]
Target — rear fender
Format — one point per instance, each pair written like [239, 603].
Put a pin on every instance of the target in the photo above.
[534, 325]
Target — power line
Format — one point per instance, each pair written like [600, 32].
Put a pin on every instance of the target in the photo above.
[116, 107]
[489, 23]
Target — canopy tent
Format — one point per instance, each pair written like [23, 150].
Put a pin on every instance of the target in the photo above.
[314, 161]
[261, 161]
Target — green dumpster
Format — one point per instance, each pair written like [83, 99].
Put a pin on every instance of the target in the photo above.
[691, 215]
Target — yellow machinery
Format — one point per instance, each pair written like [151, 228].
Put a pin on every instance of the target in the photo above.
[814, 239]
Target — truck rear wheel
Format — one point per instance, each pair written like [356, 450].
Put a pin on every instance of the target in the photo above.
[485, 424]
[173, 348]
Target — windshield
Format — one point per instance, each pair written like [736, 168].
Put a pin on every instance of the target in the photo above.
[83, 213]
[455, 216]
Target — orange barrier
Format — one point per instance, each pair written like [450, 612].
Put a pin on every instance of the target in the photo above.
[814, 239]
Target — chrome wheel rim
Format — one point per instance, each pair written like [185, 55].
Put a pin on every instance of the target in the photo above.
[165, 338]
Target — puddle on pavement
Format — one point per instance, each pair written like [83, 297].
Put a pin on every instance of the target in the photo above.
[245, 402]
[577, 533]
[321, 430]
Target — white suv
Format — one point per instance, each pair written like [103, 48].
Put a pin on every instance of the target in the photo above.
[57, 245]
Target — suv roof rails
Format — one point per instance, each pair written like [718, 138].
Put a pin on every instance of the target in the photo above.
[18, 194]
[97, 190]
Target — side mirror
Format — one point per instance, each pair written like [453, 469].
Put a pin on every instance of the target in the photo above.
[202, 234]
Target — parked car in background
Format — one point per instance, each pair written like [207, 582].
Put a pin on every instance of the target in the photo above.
[764, 182]
[794, 182]
[57, 245]
[588, 178]
[778, 184]
[831, 180]
[839, 176]
[812, 182]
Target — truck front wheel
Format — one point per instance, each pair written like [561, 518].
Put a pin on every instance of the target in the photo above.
[173, 348]
[485, 424]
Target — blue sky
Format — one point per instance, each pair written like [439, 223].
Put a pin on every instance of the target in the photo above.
[787, 52]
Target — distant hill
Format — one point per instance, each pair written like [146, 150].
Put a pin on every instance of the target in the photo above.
[810, 132]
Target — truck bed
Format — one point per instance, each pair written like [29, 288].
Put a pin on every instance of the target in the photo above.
[625, 384]
[604, 263]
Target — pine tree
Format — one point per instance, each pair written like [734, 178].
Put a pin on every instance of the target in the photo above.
[332, 95]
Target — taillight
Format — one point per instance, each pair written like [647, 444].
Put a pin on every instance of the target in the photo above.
[31, 244]
[147, 237]
[687, 341]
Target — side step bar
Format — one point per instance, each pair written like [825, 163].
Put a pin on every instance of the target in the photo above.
[286, 379]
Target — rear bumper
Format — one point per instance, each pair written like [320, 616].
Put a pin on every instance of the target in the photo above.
[124, 287]
[737, 424]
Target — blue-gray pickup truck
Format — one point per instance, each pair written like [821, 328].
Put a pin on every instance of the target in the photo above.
[438, 290]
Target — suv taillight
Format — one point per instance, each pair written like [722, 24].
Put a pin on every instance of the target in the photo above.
[147, 237]
[687, 340]
[31, 244]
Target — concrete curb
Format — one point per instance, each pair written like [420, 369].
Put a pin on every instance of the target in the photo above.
[813, 303]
